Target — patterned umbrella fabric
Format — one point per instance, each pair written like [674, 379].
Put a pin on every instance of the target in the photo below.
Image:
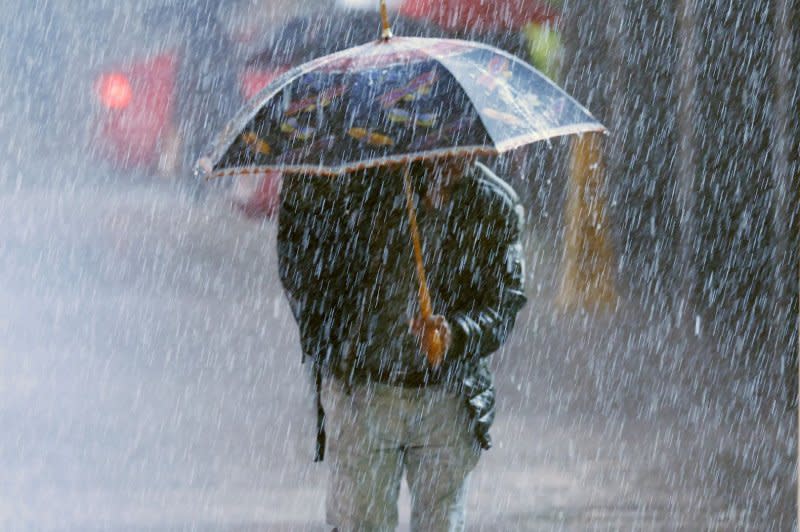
[394, 101]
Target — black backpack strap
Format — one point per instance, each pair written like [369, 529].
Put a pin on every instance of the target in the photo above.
[319, 452]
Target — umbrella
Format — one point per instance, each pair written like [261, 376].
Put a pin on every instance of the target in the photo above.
[392, 102]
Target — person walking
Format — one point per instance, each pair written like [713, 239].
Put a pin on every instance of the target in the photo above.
[347, 267]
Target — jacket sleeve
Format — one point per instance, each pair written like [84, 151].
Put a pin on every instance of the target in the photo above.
[300, 242]
[495, 292]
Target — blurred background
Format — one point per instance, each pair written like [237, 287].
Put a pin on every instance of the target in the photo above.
[150, 373]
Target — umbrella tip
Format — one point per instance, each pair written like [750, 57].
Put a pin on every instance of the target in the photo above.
[203, 167]
[386, 31]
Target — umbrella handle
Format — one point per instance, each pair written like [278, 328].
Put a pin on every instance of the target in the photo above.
[426, 308]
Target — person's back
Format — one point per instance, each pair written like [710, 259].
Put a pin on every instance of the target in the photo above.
[350, 236]
[347, 265]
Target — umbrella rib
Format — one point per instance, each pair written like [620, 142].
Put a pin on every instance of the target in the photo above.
[521, 140]
[530, 137]
[512, 57]
[449, 71]
[338, 170]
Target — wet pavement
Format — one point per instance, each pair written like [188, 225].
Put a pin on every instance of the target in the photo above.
[150, 379]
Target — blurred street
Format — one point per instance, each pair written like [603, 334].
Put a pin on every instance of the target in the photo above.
[150, 379]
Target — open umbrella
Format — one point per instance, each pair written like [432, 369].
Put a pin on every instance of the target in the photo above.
[391, 102]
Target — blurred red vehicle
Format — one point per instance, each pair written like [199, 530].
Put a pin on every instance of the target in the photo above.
[138, 101]
[480, 15]
[177, 73]
[533, 24]
[184, 67]
[142, 126]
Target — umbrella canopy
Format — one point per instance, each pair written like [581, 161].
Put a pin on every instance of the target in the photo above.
[391, 101]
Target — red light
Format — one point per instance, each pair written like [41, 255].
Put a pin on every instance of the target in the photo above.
[114, 90]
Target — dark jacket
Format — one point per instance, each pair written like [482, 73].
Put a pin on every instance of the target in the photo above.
[331, 234]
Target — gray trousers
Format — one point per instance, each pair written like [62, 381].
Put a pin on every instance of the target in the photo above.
[376, 433]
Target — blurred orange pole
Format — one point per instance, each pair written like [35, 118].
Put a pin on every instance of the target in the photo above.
[588, 261]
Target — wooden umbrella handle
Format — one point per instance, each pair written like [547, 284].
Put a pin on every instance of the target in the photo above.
[426, 309]
[424, 295]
